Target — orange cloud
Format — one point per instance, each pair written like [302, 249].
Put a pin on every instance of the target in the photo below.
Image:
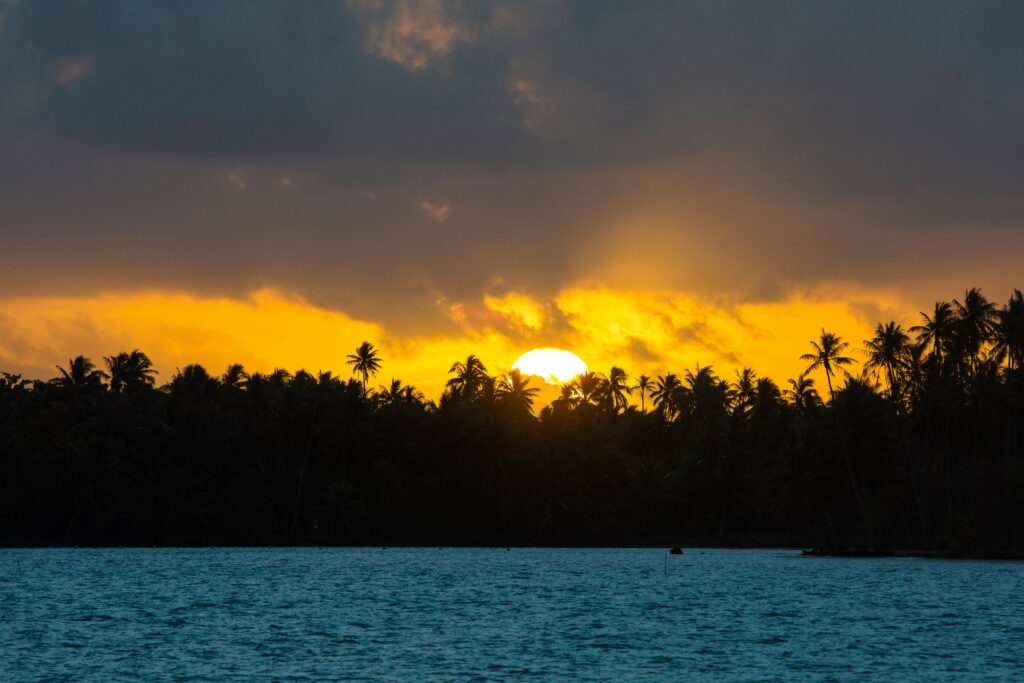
[439, 212]
[645, 331]
[412, 34]
[68, 70]
[658, 331]
[523, 311]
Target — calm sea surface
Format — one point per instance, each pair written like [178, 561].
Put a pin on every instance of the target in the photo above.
[483, 614]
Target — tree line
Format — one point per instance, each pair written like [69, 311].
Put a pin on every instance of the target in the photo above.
[914, 442]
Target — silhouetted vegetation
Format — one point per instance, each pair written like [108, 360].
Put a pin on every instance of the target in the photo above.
[920, 448]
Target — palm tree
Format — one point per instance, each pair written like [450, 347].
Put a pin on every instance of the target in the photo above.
[744, 390]
[913, 371]
[234, 377]
[591, 387]
[1009, 332]
[975, 322]
[802, 393]
[766, 394]
[886, 351]
[937, 330]
[80, 373]
[365, 362]
[513, 390]
[666, 395]
[279, 377]
[568, 397]
[617, 389]
[644, 385]
[864, 434]
[130, 371]
[391, 394]
[470, 376]
[414, 396]
[708, 396]
[397, 393]
[194, 380]
[827, 354]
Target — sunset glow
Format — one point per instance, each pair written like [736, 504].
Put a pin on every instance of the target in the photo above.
[647, 331]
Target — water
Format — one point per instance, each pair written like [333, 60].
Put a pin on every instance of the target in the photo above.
[526, 614]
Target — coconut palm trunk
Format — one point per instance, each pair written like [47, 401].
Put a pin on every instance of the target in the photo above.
[305, 462]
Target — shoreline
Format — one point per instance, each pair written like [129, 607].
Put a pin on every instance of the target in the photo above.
[805, 551]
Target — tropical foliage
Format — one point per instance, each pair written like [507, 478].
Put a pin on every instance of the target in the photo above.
[919, 447]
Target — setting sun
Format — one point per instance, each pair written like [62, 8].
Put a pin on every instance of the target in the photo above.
[555, 366]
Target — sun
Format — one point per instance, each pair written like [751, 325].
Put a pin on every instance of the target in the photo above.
[555, 366]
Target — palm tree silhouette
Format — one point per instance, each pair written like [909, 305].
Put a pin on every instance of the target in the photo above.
[644, 385]
[366, 361]
[937, 330]
[392, 393]
[618, 388]
[81, 373]
[514, 390]
[802, 394]
[568, 397]
[130, 371]
[913, 371]
[1009, 332]
[666, 394]
[591, 387]
[706, 395]
[470, 377]
[397, 393]
[234, 377]
[827, 354]
[745, 390]
[904, 454]
[193, 380]
[767, 395]
[886, 352]
[976, 318]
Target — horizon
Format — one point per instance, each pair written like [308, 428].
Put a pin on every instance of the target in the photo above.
[437, 374]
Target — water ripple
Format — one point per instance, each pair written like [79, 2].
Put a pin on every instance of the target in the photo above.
[488, 614]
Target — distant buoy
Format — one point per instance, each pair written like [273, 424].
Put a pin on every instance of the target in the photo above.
[676, 551]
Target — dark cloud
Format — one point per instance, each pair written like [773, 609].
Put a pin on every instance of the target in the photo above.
[639, 351]
[223, 146]
[242, 81]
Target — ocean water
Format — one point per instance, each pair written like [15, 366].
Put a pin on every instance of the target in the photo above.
[491, 614]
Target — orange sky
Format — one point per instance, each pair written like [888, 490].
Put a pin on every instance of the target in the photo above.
[650, 332]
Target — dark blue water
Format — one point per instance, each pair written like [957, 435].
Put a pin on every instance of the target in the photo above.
[534, 614]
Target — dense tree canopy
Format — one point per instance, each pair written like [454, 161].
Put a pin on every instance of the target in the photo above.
[919, 448]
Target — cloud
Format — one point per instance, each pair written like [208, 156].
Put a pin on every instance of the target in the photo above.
[69, 70]
[736, 150]
[537, 107]
[439, 212]
[270, 328]
[522, 311]
[237, 180]
[411, 33]
[259, 81]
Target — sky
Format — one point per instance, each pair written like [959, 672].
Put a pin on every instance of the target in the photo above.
[649, 184]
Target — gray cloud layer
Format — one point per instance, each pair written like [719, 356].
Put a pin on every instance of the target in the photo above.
[740, 146]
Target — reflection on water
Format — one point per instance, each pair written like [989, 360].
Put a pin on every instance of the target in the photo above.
[539, 614]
